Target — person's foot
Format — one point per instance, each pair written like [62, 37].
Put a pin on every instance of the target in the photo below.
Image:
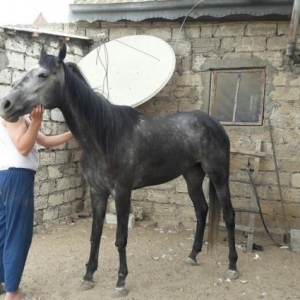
[2, 290]
[18, 295]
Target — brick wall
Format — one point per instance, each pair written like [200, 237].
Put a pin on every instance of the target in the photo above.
[200, 47]
[59, 186]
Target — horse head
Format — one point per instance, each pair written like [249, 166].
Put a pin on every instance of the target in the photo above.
[43, 84]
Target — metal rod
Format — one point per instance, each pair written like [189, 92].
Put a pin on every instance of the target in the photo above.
[236, 96]
[278, 181]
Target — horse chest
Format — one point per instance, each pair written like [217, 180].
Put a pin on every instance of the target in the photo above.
[97, 173]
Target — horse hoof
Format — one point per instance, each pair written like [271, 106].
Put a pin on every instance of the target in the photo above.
[191, 262]
[120, 292]
[86, 285]
[232, 274]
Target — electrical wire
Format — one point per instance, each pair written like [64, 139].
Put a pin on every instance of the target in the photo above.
[137, 49]
[104, 64]
[185, 20]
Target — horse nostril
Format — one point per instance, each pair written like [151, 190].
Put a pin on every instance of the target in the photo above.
[6, 104]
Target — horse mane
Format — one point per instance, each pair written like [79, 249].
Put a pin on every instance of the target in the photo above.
[107, 122]
[76, 71]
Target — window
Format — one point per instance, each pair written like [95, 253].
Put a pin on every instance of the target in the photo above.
[237, 96]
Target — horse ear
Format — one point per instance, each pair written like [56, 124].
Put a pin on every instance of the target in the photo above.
[43, 52]
[62, 53]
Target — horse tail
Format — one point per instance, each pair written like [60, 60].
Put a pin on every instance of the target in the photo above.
[214, 216]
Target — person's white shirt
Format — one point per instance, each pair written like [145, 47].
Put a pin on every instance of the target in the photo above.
[10, 157]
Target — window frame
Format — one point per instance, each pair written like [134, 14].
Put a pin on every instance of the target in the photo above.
[213, 92]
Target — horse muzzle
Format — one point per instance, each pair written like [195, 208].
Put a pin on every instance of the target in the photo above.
[6, 111]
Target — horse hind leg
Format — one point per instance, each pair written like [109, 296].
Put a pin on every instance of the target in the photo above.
[99, 204]
[194, 179]
[221, 188]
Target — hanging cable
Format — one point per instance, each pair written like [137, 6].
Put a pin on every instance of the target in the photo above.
[102, 45]
[185, 20]
[259, 208]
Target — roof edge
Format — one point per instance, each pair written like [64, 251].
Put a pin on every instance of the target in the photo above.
[35, 32]
[174, 9]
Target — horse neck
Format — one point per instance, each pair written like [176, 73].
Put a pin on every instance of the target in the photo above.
[78, 124]
[95, 122]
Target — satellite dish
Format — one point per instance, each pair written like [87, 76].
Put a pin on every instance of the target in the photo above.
[129, 70]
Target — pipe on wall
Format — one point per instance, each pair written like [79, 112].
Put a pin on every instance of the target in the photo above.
[292, 35]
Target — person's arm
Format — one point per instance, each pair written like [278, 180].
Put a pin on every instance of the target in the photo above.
[53, 140]
[22, 135]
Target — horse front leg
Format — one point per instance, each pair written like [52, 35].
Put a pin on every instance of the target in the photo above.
[122, 209]
[99, 204]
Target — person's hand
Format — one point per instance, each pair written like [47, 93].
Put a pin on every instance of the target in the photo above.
[37, 114]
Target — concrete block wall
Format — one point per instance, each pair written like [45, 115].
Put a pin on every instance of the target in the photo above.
[59, 185]
[199, 48]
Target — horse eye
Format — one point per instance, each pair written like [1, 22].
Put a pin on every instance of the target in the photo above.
[43, 75]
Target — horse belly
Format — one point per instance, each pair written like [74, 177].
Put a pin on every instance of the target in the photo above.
[158, 173]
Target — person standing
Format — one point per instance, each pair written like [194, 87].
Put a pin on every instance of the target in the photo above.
[18, 165]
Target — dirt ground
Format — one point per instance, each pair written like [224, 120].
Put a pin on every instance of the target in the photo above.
[157, 269]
